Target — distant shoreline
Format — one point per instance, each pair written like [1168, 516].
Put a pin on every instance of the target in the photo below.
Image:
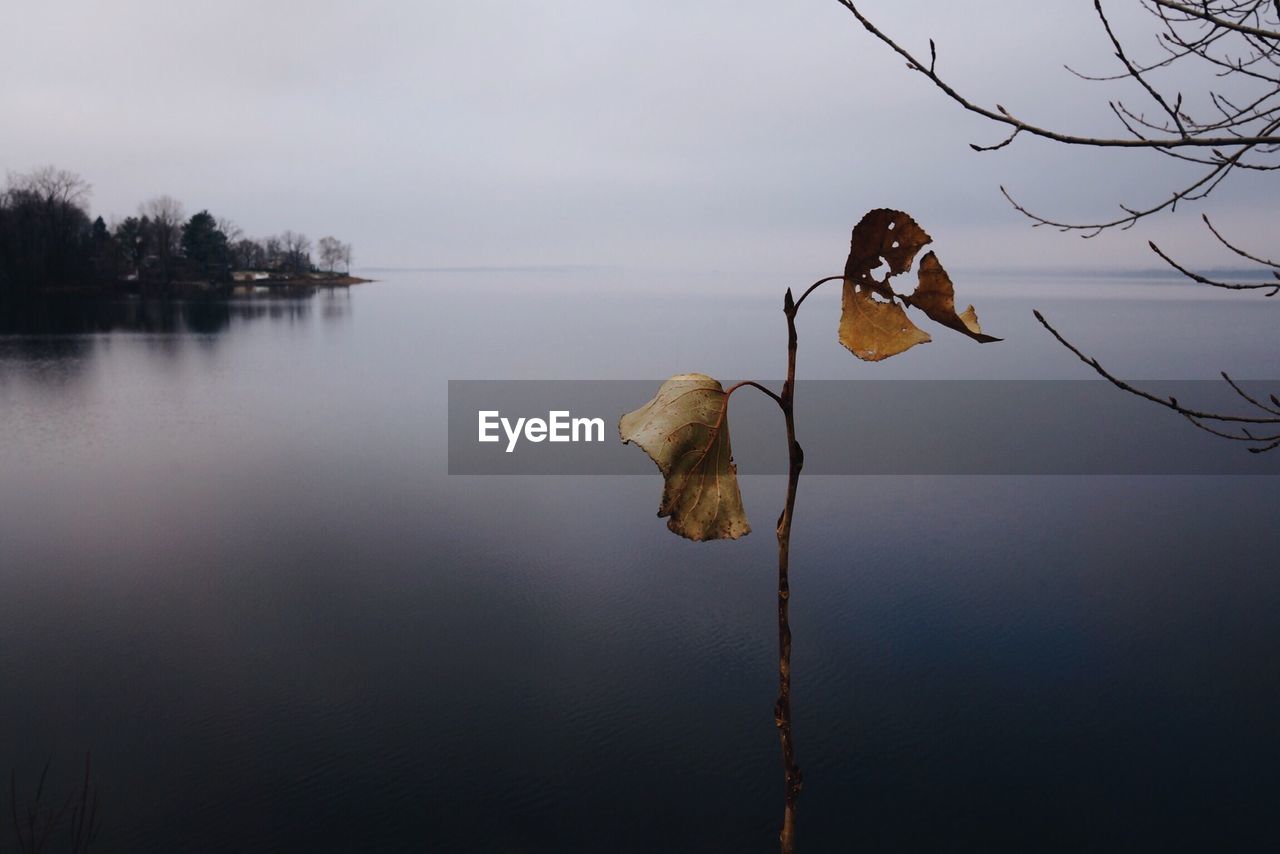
[259, 286]
[295, 286]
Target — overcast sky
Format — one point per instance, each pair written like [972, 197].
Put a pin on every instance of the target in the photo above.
[696, 134]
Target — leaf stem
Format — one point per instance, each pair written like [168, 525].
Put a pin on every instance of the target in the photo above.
[814, 287]
[753, 384]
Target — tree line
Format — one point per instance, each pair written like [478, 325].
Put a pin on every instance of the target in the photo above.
[48, 241]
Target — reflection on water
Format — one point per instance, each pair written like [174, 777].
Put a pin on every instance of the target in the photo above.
[233, 565]
[73, 316]
[51, 338]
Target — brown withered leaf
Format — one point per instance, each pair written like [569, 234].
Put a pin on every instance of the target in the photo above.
[877, 328]
[685, 431]
[883, 233]
[936, 297]
[873, 329]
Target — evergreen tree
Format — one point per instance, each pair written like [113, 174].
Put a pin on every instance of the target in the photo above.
[205, 246]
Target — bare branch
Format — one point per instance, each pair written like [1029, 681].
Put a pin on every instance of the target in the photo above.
[1137, 74]
[1273, 287]
[1217, 21]
[1227, 38]
[1004, 117]
[1239, 252]
[1197, 417]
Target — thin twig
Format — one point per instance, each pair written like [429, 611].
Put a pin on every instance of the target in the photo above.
[1196, 416]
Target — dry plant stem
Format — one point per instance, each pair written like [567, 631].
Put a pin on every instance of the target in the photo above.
[793, 779]
[782, 711]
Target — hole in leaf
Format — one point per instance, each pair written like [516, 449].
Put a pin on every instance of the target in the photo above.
[873, 294]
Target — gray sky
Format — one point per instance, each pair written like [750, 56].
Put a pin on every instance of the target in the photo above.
[696, 134]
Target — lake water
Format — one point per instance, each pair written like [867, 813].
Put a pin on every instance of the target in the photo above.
[232, 565]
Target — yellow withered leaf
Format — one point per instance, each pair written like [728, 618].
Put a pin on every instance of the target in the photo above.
[873, 329]
[685, 431]
[936, 297]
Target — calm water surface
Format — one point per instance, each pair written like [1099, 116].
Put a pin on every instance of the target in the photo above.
[233, 566]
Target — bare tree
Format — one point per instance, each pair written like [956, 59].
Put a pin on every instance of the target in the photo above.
[273, 252]
[346, 257]
[44, 229]
[1230, 124]
[248, 254]
[166, 216]
[297, 252]
[230, 229]
[330, 249]
[52, 185]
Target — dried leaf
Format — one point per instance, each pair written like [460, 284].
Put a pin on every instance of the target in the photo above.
[684, 430]
[888, 234]
[936, 297]
[877, 328]
[873, 329]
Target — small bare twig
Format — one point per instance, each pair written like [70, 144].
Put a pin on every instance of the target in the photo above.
[1272, 288]
[1273, 264]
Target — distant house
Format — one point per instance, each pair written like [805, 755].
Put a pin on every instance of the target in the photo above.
[249, 276]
